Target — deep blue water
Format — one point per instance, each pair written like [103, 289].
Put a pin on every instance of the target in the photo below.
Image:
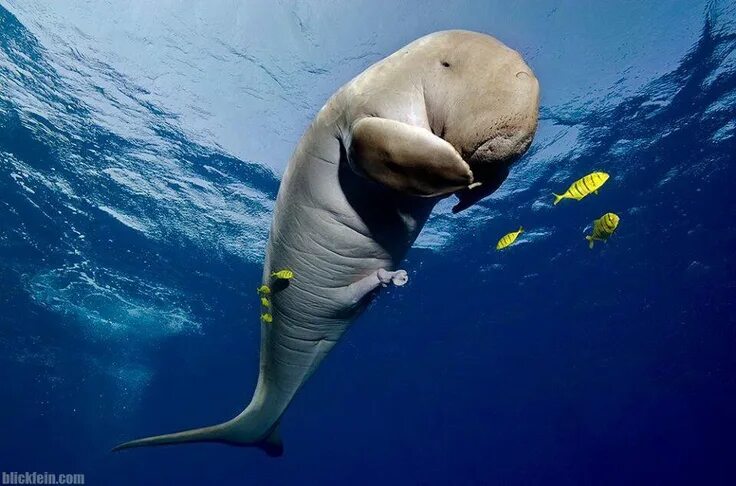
[128, 263]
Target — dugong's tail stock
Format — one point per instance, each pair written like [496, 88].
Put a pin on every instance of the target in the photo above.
[287, 361]
[240, 431]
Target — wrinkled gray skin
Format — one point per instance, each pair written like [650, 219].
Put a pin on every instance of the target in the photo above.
[446, 114]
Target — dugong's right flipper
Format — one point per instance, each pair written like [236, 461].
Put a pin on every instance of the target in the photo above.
[406, 158]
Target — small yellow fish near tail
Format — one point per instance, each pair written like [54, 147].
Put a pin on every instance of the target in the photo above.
[508, 239]
[603, 228]
[284, 274]
[583, 186]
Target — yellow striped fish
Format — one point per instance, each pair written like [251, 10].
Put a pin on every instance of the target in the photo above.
[284, 274]
[508, 239]
[265, 302]
[603, 228]
[582, 187]
[264, 290]
[267, 318]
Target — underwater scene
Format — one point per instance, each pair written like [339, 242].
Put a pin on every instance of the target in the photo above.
[522, 247]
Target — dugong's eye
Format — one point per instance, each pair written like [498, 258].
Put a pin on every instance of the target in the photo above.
[445, 63]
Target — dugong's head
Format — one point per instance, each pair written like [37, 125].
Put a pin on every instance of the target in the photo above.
[484, 100]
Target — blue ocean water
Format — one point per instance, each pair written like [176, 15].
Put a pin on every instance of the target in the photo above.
[131, 241]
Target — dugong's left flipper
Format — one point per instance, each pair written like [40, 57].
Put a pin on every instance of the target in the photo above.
[398, 278]
[361, 288]
[406, 158]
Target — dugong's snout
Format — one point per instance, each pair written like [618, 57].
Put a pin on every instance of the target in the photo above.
[509, 115]
[508, 124]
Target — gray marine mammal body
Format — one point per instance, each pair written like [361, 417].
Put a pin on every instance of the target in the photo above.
[447, 114]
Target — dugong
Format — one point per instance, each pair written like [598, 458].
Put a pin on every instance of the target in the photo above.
[447, 114]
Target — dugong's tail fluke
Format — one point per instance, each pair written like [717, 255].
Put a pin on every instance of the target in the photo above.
[233, 432]
[205, 434]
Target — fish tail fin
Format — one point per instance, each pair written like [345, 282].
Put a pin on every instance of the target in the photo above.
[243, 430]
[521, 229]
[590, 239]
[558, 198]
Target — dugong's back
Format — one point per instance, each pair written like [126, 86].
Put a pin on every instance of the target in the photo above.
[445, 115]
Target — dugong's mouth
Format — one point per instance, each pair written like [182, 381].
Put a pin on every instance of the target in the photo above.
[486, 179]
[488, 173]
[490, 162]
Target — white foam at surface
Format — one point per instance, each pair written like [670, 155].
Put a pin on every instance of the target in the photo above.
[109, 302]
[128, 221]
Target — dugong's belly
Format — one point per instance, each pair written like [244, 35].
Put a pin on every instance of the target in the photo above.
[321, 238]
[316, 234]
[324, 231]
[326, 255]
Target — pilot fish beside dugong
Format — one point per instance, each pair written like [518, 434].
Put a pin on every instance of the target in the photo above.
[445, 115]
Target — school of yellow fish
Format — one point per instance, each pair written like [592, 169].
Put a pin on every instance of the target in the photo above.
[264, 293]
[603, 227]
